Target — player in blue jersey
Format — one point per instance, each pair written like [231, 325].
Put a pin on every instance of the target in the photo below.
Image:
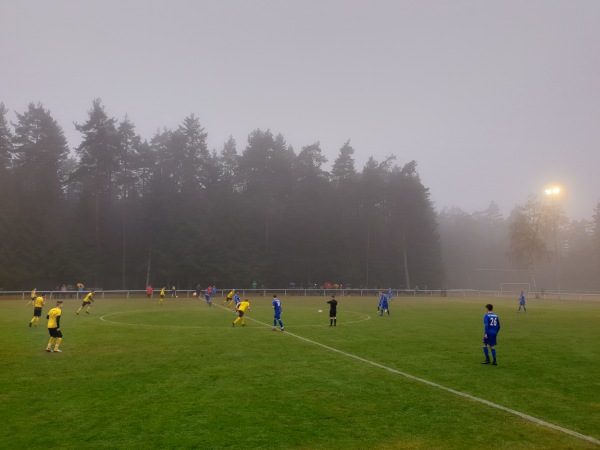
[522, 302]
[207, 297]
[236, 299]
[277, 313]
[383, 304]
[390, 295]
[491, 329]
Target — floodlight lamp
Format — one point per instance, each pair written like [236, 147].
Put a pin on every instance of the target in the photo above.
[553, 190]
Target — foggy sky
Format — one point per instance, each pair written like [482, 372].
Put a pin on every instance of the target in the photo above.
[494, 100]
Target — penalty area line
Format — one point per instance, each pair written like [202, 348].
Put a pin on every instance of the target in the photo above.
[447, 389]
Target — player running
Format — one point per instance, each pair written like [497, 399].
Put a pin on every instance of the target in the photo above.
[242, 307]
[229, 298]
[87, 302]
[32, 298]
[37, 309]
[383, 304]
[207, 296]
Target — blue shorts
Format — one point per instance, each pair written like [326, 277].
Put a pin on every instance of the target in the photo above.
[277, 315]
[490, 340]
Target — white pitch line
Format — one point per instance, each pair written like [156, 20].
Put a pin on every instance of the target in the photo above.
[444, 388]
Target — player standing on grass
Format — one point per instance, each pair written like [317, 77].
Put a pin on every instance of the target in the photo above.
[390, 295]
[241, 309]
[490, 332]
[277, 313]
[87, 301]
[162, 295]
[332, 311]
[54, 327]
[383, 304]
[37, 309]
[522, 302]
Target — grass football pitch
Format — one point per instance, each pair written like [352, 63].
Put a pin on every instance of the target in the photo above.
[134, 374]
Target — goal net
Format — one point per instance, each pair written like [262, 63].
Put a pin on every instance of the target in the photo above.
[511, 288]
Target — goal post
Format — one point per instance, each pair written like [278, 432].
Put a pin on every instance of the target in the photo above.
[511, 288]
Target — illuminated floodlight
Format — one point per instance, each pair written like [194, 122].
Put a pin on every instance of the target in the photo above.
[552, 191]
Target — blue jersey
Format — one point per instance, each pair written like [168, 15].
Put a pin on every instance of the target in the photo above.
[383, 301]
[522, 300]
[390, 294]
[491, 323]
[277, 305]
[236, 297]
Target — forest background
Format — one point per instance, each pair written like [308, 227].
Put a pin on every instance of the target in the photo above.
[119, 211]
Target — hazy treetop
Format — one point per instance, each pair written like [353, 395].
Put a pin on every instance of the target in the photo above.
[494, 100]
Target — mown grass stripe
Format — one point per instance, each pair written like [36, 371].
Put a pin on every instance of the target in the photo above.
[443, 388]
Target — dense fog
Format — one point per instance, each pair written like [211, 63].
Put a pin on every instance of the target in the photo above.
[121, 211]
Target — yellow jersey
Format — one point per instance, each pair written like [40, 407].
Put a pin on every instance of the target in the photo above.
[230, 295]
[162, 292]
[88, 298]
[54, 317]
[33, 295]
[39, 302]
[243, 305]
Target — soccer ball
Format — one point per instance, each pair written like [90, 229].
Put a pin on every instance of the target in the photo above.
[194, 294]
[320, 310]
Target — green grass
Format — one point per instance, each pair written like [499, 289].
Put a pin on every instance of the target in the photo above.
[137, 375]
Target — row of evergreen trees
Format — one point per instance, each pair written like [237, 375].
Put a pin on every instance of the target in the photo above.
[122, 210]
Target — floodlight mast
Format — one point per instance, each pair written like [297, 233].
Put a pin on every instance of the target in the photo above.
[552, 193]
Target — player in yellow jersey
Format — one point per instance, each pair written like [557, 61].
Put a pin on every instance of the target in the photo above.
[33, 297]
[162, 295]
[229, 298]
[241, 309]
[54, 327]
[37, 309]
[87, 301]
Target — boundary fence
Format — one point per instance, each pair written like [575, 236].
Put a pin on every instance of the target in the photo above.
[285, 292]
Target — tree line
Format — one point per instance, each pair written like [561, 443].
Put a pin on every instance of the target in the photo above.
[537, 244]
[120, 211]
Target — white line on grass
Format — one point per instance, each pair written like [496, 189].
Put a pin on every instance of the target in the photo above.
[444, 388]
